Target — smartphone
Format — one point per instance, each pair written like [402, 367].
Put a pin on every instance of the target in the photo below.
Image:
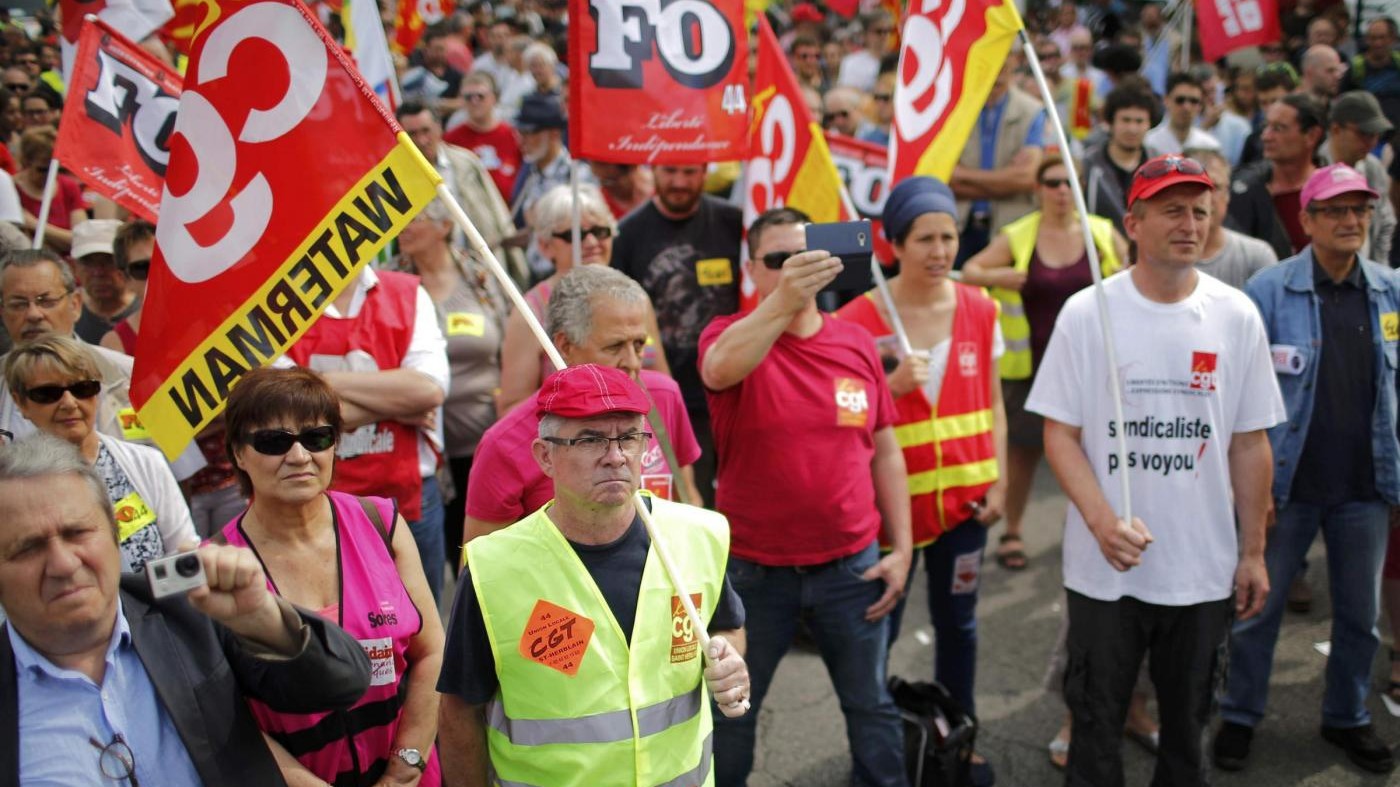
[852, 241]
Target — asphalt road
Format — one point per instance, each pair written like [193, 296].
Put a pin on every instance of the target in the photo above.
[802, 735]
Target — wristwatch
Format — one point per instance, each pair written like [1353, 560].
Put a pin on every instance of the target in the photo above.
[413, 757]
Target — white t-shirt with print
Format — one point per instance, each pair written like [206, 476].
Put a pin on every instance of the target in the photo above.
[1193, 373]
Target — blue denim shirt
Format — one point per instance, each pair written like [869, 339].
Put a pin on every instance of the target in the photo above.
[1286, 299]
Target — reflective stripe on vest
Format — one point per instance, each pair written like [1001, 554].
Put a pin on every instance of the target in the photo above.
[694, 776]
[598, 728]
[970, 474]
[949, 427]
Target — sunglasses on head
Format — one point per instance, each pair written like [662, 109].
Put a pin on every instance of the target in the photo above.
[276, 442]
[48, 394]
[140, 269]
[600, 232]
[1161, 167]
[774, 260]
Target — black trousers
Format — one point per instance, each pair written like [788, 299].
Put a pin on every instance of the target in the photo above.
[1107, 641]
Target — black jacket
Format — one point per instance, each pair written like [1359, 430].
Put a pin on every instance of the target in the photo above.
[201, 673]
[1252, 208]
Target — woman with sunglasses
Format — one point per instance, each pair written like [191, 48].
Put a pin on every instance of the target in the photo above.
[471, 311]
[523, 363]
[1032, 267]
[55, 384]
[950, 422]
[351, 560]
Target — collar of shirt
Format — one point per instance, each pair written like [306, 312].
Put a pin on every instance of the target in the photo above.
[368, 280]
[1353, 278]
[29, 660]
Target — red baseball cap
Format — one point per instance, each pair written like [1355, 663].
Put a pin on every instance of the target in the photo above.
[590, 390]
[1164, 172]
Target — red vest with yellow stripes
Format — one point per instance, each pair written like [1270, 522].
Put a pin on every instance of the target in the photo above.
[949, 449]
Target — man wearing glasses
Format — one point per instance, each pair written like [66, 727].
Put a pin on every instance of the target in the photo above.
[860, 68]
[1178, 131]
[569, 626]
[100, 683]
[1197, 395]
[1333, 325]
[1264, 201]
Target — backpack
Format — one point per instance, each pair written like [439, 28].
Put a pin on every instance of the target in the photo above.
[938, 734]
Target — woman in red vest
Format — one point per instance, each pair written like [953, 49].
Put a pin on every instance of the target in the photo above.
[952, 425]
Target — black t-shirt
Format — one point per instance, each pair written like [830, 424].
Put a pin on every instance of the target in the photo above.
[1124, 177]
[469, 669]
[690, 269]
[91, 327]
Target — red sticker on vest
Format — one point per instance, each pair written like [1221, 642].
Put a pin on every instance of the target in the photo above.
[684, 645]
[556, 637]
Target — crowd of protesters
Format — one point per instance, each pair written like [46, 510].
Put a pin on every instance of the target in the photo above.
[798, 460]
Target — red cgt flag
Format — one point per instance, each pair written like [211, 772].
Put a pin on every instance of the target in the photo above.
[865, 169]
[286, 174]
[114, 139]
[1227, 25]
[951, 53]
[414, 17]
[789, 164]
[657, 85]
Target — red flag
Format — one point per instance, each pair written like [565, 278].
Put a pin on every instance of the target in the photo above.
[414, 16]
[865, 169]
[114, 140]
[950, 55]
[1227, 25]
[134, 19]
[789, 164]
[653, 84]
[189, 19]
[286, 174]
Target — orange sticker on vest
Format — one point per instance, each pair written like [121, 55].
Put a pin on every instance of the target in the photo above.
[684, 645]
[852, 403]
[556, 637]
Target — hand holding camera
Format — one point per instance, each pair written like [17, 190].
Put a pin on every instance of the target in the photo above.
[227, 584]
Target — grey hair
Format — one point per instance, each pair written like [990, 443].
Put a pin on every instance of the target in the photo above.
[540, 50]
[437, 210]
[554, 209]
[550, 424]
[29, 258]
[572, 302]
[42, 455]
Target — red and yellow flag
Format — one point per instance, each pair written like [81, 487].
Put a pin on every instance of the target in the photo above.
[415, 16]
[951, 53]
[789, 164]
[286, 174]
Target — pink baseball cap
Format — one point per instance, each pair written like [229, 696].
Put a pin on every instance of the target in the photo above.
[1333, 180]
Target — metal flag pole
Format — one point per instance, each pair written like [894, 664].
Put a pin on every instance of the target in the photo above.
[575, 215]
[478, 245]
[45, 203]
[881, 284]
[1100, 299]
[1186, 25]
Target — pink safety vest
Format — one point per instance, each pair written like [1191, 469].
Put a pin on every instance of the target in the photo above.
[352, 747]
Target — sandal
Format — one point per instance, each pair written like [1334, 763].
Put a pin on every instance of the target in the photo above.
[1059, 752]
[1149, 741]
[1013, 559]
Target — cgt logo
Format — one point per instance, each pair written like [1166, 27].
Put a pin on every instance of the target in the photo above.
[1202, 371]
[852, 402]
[694, 40]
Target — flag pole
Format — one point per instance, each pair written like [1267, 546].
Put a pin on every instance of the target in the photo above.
[1186, 35]
[478, 245]
[45, 203]
[881, 283]
[575, 215]
[1100, 298]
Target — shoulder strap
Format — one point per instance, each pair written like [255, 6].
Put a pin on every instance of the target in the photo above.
[663, 438]
[372, 511]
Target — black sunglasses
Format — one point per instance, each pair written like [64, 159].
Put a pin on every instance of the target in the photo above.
[774, 260]
[600, 232]
[48, 394]
[138, 269]
[276, 442]
[1054, 183]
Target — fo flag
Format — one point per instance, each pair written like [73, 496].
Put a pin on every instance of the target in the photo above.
[1227, 25]
[653, 83]
[134, 19]
[115, 133]
[286, 174]
[789, 164]
[865, 170]
[951, 52]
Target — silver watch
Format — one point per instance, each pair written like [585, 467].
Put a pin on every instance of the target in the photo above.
[412, 757]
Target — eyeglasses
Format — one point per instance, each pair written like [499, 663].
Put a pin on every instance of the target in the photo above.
[45, 302]
[277, 442]
[26, 60]
[6, 437]
[48, 394]
[596, 446]
[41, 112]
[881, 31]
[475, 97]
[1339, 212]
[839, 113]
[883, 97]
[140, 269]
[17, 87]
[600, 232]
[1054, 183]
[116, 760]
[1165, 166]
[774, 260]
[1182, 101]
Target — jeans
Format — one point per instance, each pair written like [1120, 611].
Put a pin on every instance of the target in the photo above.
[1107, 640]
[1356, 535]
[952, 606]
[427, 534]
[832, 599]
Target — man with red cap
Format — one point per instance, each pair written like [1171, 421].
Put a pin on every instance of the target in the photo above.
[1333, 330]
[1197, 394]
[567, 626]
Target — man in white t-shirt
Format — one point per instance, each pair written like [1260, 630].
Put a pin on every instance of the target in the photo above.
[1198, 393]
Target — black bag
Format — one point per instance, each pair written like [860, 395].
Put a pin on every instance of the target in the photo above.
[938, 734]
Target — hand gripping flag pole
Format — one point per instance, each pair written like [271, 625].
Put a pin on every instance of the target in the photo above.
[478, 245]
